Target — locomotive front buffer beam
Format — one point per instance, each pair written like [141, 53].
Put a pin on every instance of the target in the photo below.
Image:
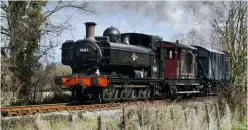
[86, 81]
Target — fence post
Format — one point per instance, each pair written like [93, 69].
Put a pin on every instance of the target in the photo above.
[125, 119]
[217, 115]
[72, 121]
[207, 116]
[99, 122]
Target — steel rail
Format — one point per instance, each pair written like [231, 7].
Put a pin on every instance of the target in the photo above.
[47, 108]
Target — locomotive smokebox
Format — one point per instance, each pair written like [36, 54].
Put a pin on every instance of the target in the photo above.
[90, 30]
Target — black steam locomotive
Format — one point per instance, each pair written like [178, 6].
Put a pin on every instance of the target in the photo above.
[135, 66]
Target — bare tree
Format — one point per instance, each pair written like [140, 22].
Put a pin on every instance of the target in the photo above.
[230, 22]
[181, 37]
[200, 37]
[24, 25]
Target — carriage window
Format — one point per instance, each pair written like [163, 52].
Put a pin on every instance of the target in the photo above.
[191, 61]
[190, 57]
[170, 54]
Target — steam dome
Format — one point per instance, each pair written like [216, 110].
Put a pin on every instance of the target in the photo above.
[113, 34]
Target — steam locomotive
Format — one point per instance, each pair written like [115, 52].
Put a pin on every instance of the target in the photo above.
[136, 66]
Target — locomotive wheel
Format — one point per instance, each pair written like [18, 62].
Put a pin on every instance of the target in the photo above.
[110, 94]
[148, 93]
[134, 94]
[144, 93]
[128, 93]
[125, 94]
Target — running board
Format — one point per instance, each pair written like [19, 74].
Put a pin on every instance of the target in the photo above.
[186, 92]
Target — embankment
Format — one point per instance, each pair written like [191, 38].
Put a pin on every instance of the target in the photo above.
[187, 115]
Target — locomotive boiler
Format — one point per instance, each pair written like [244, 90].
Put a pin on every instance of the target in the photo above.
[110, 54]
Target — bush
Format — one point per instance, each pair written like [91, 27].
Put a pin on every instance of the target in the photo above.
[41, 81]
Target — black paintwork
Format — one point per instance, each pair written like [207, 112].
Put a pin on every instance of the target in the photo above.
[111, 57]
[113, 33]
[66, 48]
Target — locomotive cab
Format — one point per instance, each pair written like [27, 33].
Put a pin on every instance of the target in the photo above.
[140, 39]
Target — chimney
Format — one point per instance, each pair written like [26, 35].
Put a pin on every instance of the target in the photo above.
[126, 39]
[90, 30]
[177, 42]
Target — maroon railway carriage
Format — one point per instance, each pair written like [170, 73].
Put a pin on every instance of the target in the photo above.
[180, 64]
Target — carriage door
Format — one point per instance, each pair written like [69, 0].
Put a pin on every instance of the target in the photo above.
[170, 64]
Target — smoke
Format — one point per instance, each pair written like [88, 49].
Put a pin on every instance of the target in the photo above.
[175, 14]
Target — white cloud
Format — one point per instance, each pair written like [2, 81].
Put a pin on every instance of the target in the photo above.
[164, 18]
[177, 14]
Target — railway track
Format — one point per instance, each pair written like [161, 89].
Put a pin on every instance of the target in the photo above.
[47, 108]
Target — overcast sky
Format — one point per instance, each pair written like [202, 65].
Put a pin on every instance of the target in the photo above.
[164, 18]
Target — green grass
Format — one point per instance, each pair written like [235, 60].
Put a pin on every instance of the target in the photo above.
[243, 126]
